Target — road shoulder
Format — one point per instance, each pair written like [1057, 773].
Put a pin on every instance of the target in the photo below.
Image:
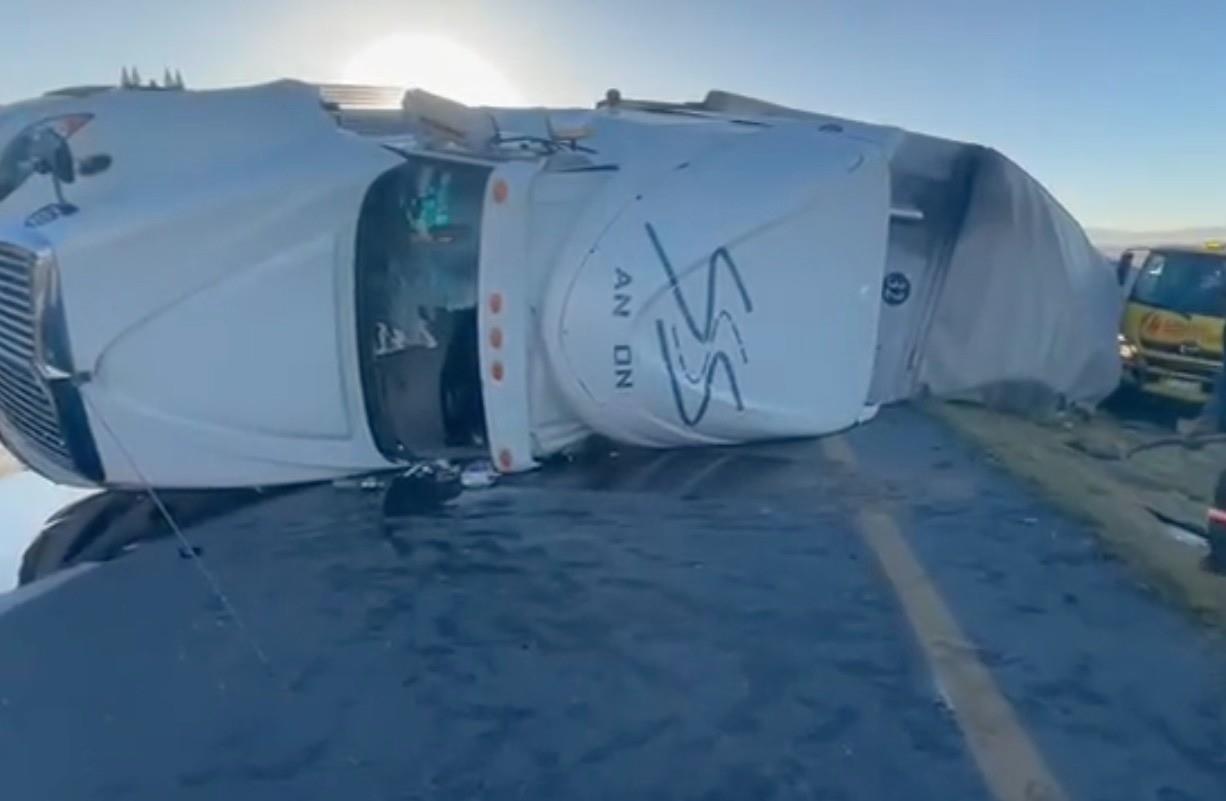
[1122, 504]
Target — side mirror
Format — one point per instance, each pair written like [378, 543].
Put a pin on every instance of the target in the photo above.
[92, 165]
[50, 154]
[42, 148]
[1123, 267]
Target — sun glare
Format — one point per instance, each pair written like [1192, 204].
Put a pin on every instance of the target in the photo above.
[434, 63]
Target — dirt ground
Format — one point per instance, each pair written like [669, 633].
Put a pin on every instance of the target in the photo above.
[1148, 504]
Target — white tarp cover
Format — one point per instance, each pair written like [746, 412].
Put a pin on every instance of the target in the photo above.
[1026, 300]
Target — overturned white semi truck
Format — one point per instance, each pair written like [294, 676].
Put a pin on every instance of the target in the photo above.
[289, 282]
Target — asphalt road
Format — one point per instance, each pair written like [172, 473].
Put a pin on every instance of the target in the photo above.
[883, 615]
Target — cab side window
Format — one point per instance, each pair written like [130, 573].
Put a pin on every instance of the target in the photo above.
[1146, 289]
[1212, 290]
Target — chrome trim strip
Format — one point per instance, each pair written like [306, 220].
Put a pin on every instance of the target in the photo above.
[41, 418]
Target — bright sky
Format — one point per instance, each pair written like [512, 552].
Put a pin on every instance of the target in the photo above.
[26, 501]
[1116, 105]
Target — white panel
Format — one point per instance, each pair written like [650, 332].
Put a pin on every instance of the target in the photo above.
[256, 353]
[504, 305]
[736, 300]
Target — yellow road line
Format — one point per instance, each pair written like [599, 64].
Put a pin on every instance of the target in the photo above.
[1010, 763]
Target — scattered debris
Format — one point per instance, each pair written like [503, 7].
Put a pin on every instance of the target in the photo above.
[421, 488]
[1184, 537]
[1189, 528]
[479, 475]
[1190, 441]
[366, 483]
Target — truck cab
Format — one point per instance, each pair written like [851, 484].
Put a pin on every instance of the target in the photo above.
[649, 301]
[1171, 336]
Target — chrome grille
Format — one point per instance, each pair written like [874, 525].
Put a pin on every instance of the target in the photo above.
[24, 398]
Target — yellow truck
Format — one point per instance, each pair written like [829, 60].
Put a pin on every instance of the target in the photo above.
[1171, 336]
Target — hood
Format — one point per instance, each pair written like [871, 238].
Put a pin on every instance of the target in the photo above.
[206, 275]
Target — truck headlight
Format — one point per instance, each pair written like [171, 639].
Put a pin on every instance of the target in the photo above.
[51, 352]
[1128, 351]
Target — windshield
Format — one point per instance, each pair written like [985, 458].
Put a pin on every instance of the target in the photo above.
[416, 261]
[1185, 282]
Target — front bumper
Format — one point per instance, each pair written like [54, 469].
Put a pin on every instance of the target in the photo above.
[1170, 375]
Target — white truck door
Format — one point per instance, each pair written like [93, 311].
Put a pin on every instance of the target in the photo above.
[734, 299]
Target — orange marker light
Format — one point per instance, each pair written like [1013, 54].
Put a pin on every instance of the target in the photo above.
[504, 459]
[496, 302]
[495, 338]
[496, 371]
[500, 191]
